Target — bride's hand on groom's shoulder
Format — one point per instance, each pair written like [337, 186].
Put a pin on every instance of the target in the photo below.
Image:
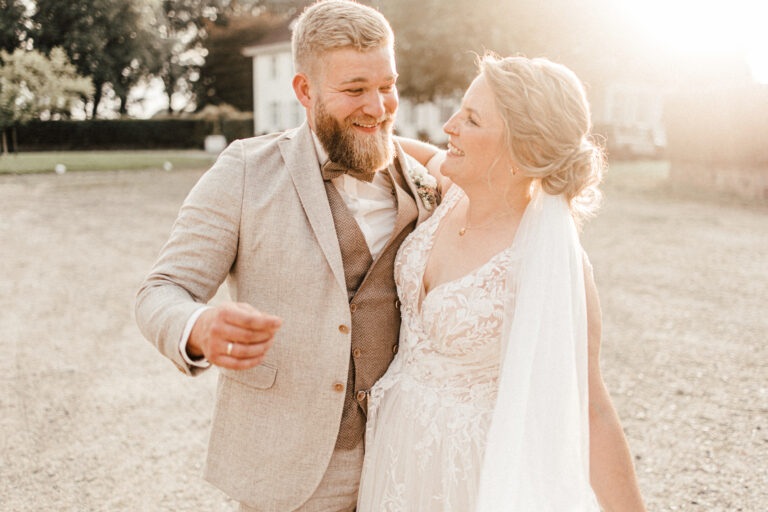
[233, 335]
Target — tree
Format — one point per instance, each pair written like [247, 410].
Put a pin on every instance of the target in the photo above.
[437, 42]
[184, 28]
[12, 16]
[108, 40]
[135, 60]
[178, 24]
[32, 84]
[227, 75]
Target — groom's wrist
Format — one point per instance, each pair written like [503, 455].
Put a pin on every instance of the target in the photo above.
[190, 350]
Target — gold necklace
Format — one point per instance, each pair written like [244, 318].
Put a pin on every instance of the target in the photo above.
[468, 226]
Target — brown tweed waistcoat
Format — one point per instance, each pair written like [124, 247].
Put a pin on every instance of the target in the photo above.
[372, 301]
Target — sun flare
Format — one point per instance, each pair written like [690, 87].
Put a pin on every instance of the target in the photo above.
[706, 26]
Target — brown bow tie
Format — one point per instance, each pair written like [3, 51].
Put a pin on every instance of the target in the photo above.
[332, 170]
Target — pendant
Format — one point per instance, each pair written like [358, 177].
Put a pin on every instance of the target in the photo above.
[462, 231]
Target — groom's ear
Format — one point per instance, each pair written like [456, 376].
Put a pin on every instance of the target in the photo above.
[302, 89]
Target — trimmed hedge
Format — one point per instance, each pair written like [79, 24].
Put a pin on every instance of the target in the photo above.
[724, 127]
[125, 134]
[238, 129]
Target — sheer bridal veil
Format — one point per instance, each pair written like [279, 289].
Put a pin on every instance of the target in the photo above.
[537, 454]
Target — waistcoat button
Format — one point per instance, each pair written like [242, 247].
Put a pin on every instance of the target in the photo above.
[394, 349]
[353, 307]
[356, 352]
[338, 387]
[361, 395]
[343, 329]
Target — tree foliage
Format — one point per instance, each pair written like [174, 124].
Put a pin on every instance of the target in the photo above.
[12, 17]
[183, 28]
[190, 44]
[107, 40]
[32, 84]
[437, 42]
[179, 27]
[227, 76]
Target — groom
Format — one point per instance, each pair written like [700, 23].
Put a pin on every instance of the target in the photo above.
[305, 226]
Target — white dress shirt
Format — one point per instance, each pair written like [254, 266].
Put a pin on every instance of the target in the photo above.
[372, 205]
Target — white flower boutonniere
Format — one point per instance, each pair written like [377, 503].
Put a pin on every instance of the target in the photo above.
[426, 186]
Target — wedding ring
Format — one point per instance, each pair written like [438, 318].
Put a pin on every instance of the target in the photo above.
[229, 348]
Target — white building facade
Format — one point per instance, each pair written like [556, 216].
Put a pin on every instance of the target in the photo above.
[275, 106]
[632, 117]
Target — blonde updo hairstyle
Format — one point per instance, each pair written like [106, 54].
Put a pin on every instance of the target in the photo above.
[547, 124]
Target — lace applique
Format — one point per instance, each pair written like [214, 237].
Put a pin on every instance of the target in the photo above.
[428, 416]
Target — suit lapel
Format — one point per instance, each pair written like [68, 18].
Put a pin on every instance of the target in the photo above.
[298, 151]
[407, 212]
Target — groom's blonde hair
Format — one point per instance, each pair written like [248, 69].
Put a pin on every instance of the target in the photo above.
[331, 24]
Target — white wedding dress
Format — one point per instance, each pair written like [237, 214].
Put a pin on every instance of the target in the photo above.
[514, 329]
[428, 416]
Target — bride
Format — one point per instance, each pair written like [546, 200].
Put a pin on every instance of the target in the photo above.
[495, 399]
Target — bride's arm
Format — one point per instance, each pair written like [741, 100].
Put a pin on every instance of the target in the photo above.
[430, 157]
[421, 151]
[612, 473]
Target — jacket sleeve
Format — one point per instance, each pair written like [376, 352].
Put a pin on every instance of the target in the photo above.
[196, 258]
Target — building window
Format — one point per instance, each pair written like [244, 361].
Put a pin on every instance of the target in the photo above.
[273, 67]
[410, 112]
[446, 111]
[275, 112]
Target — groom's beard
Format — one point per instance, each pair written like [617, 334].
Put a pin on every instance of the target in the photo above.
[345, 145]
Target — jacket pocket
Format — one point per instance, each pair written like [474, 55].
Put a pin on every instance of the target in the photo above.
[260, 377]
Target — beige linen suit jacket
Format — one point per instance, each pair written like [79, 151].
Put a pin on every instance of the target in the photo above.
[260, 218]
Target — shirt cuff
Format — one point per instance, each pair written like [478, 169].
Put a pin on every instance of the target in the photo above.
[202, 362]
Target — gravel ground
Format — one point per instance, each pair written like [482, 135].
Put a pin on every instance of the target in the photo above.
[92, 418]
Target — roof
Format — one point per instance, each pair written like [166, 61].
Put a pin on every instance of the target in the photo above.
[277, 38]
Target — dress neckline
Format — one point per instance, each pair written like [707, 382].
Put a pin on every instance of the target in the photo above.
[449, 205]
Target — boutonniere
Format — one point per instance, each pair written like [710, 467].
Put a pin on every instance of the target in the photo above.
[426, 186]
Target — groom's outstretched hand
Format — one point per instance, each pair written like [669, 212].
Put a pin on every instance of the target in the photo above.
[233, 335]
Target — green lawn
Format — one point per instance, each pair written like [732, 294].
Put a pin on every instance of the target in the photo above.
[619, 173]
[104, 160]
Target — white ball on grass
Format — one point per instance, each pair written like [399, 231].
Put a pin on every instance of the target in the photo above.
[60, 168]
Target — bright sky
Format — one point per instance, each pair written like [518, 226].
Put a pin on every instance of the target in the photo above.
[705, 26]
[153, 99]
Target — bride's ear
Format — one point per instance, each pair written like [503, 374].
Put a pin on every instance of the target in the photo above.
[511, 161]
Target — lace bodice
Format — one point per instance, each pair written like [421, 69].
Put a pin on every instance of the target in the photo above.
[450, 337]
[429, 415]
